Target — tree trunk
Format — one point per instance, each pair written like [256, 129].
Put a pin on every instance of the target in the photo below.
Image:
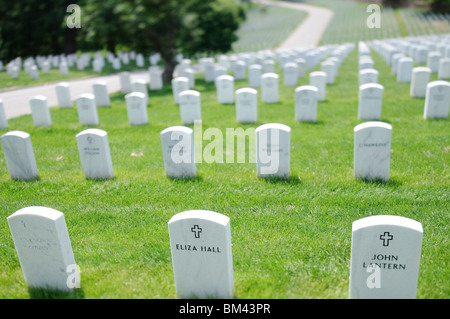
[70, 41]
[169, 65]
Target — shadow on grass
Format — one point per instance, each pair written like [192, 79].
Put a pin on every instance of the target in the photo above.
[186, 180]
[291, 180]
[392, 182]
[43, 293]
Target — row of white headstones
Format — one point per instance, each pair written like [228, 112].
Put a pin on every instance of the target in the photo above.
[371, 141]
[272, 152]
[33, 65]
[385, 254]
[382, 266]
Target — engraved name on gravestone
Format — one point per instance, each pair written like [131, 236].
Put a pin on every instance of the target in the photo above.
[246, 105]
[95, 154]
[40, 111]
[136, 108]
[372, 150]
[306, 103]
[385, 257]
[437, 100]
[273, 143]
[87, 110]
[178, 152]
[43, 246]
[63, 95]
[370, 101]
[19, 155]
[190, 106]
[202, 260]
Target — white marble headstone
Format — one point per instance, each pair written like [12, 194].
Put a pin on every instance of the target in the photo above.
[372, 150]
[95, 155]
[87, 110]
[290, 74]
[3, 119]
[385, 257]
[40, 111]
[140, 85]
[225, 89]
[301, 65]
[268, 66]
[433, 61]
[178, 152]
[190, 106]
[319, 80]
[269, 88]
[370, 101]
[239, 70]
[246, 105]
[368, 76]
[64, 68]
[156, 80]
[179, 84]
[444, 69]
[63, 94]
[437, 100]
[190, 74]
[254, 75]
[136, 108]
[202, 260]
[306, 103]
[404, 69]
[43, 246]
[273, 143]
[34, 72]
[19, 155]
[209, 70]
[419, 80]
[329, 67]
[125, 82]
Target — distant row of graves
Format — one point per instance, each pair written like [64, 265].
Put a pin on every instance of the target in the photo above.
[385, 254]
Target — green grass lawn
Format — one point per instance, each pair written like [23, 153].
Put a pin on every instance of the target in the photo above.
[290, 239]
[266, 27]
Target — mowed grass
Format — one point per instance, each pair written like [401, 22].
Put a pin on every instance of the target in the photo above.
[290, 239]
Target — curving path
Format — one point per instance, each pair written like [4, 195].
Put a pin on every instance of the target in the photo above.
[308, 34]
[310, 31]
[15, 102]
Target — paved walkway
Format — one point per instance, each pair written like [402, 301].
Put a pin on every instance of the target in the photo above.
[308, 34]
[310, 31]
[16, 102]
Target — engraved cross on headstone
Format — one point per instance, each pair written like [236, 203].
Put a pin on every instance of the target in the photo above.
[196, 230]
[386, 237]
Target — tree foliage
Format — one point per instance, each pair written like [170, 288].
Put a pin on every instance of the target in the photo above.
[168, 27]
